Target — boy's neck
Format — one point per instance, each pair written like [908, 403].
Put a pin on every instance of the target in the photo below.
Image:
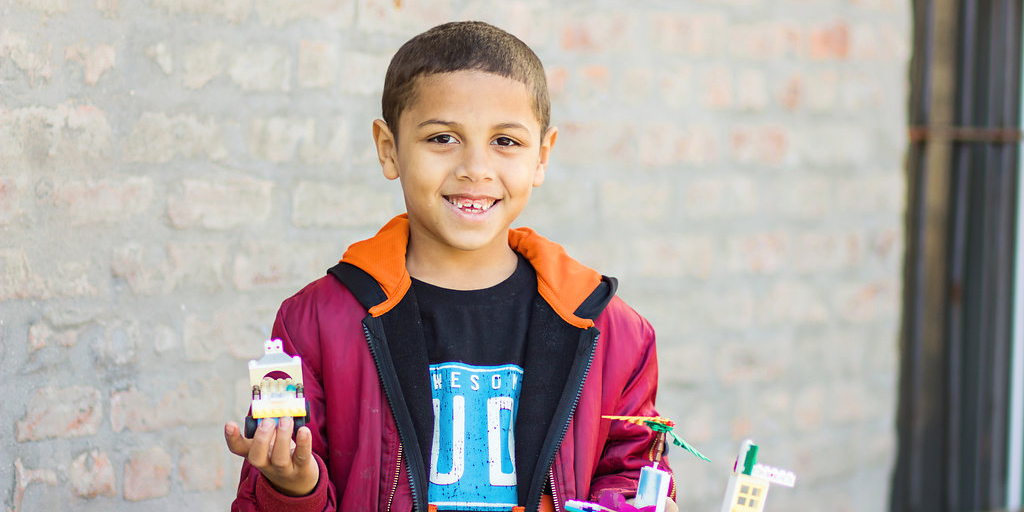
[461, 270]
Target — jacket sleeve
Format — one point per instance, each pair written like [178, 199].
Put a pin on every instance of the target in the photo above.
[254, 491]
[630, 447]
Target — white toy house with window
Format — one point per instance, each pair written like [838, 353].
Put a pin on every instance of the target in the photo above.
[749, 482]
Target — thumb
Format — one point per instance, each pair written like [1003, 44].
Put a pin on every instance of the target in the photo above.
[670, 505]
[303, 447]
[236, 443]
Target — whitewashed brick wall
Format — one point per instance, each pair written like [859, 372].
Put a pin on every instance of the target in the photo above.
[171, 170]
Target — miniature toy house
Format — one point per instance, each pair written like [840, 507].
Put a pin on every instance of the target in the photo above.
[276, 380]
[749, 482]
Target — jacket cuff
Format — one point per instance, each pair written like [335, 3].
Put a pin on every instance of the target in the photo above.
[269, 499]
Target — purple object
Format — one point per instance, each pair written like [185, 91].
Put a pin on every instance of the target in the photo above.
[616, 501]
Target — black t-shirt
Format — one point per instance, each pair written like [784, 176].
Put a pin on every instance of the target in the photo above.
[475, 342]
[481, 327]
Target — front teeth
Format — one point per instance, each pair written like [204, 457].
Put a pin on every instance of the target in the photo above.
[473, 204]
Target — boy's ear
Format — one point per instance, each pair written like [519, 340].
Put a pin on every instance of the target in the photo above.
[387, 148]
[547, 142]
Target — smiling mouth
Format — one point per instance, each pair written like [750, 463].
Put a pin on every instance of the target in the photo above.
[469, 205]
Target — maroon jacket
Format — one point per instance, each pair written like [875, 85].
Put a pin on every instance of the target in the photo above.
[366, 379]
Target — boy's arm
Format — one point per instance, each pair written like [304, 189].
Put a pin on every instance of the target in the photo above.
[294, 466]
[630, 447]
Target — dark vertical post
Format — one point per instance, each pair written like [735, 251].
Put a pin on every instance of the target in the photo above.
[922, 463]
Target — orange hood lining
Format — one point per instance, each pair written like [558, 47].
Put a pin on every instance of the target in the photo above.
[562, 281]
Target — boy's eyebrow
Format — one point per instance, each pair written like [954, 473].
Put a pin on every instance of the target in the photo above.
[512, 125]
[454, 124]
[437, 121]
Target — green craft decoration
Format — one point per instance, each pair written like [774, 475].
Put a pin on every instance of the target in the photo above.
[664, 428]
[751, 459]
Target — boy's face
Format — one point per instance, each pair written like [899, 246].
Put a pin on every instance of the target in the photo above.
[469, 151]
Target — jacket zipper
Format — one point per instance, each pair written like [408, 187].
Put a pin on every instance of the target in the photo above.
[554, 492]
[387, 393]
[657, 451]
[652, 452]
[398, 473]
[565, 426]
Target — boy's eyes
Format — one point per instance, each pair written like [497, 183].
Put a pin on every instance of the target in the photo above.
[445, 138]
[504, 141]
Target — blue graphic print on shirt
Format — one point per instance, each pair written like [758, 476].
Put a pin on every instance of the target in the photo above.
[472, 457]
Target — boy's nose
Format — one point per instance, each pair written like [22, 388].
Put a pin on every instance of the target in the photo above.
[475, 165]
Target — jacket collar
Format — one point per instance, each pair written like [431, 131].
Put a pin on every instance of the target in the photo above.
[562, 281]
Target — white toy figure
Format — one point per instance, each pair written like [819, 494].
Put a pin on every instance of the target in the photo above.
[276, 397]
[652, 488]
[749, 482]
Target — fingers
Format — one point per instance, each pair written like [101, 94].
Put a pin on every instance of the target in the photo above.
[272, 445]
[288, 465]
[237, 444]
[303, 447]
[281, 452]
[259, 449]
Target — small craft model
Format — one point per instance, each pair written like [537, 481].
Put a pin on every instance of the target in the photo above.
[652, 489]
[663, 426]
[276, 380]
[749, 482]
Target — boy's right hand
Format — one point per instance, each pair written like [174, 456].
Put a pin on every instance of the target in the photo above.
[288, 465]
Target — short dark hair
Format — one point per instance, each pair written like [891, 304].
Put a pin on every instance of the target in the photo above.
[463, 46]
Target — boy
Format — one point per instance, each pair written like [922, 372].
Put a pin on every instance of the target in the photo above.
[449, 359]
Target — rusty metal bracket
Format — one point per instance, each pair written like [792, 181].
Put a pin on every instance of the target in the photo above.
[966, 134]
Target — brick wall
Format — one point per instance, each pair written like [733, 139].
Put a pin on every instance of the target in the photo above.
[171, 170]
